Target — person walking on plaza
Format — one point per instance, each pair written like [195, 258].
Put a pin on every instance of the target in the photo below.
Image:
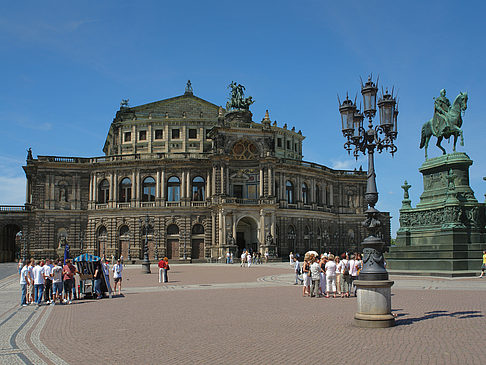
[24, 282]
[330, 276]
[243, 258]
[117, 276]
[249, 258]
[231, 258]
[483, 266]
[346, 278]
[266, 256]
[39, 281]
[291, 257]
[163, 268]
[68, 272]
[20, 265]
[57, 283]
[298, 271]
[228, 257]
[315, 270]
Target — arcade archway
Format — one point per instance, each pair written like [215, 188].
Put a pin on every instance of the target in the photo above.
[247, 234]
[10, 245]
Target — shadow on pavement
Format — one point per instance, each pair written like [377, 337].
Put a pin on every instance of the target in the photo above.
[437, 314]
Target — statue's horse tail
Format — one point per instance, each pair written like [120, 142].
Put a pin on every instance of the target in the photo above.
[423, 137]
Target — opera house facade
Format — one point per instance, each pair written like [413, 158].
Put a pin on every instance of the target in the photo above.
[192, 181]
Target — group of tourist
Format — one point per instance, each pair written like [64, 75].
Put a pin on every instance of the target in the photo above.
[52, 282]
[327, 275]
[254, 258]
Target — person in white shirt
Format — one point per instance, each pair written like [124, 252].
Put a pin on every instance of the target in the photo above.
[330, 276]
[24, 282]
[48, 285]
[298, 271]
[339, 275]
[353, 271]
[39, 281]
[346, 279]
[243, 258]
[266, 256]
[249, 259]
[117, 276]
[57, 283]
[30, 286]
[291, 257]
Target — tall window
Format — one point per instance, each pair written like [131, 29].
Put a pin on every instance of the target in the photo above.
[148, 187]
[318, 194]
[289, 191]
[173, 189]
[198, 189]
[104, 192]
[305, 193]
[176, 134]
[125, 190]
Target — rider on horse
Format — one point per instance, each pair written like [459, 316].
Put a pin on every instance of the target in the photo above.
[441, 108]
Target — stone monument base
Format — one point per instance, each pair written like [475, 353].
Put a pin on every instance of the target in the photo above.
[374, 304]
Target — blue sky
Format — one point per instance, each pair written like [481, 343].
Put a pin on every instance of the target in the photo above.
[66, 66]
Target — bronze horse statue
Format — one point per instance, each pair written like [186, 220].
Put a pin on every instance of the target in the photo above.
[445, 126]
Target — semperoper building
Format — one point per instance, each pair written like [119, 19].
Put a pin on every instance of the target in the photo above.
[193, 179]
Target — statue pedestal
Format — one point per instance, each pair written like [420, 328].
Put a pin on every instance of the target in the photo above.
[444, 235]
[238, 115]
[374, 304]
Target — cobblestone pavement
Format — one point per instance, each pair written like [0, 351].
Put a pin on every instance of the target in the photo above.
[223, 314]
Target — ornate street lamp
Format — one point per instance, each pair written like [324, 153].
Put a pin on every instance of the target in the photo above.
[22, 240]
[82, 237]
[145, 263]
[291, 238]
[365, 141]
[156, 250]
[129, 257]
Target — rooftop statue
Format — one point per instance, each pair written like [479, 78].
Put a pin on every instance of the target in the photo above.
[238, 100]
[446, 122]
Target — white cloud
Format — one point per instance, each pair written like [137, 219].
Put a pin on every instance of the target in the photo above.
[12, 190]
[347, 164]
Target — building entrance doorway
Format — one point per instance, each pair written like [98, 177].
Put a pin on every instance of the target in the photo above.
[246, 235]
[173, 249]
[197, 251]
[9, 250]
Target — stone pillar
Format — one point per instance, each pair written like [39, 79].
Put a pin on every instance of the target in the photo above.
[331, 195]
[157, 186]
[188, 190]
[137, 188]
[261, 235]
[132, 203]
[222, 179]
[227, 181]
[162, 187]
[95, 190]
[220, 223]
[213, 182]
[183, 185]
[208, 187]
[270, 182]
[374, 304]
[262, 192]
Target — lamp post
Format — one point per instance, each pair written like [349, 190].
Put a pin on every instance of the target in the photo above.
[129, 257]
[21, 238]
[145, 263]
[373, 278]
[81, 236]
[156, 249]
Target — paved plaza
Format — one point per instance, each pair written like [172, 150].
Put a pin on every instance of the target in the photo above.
[224, 314]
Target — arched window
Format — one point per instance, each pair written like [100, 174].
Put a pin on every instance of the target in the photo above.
[289, 191]
[102, 232]
[125, 190]
[173, 229]
[198, 229]
[198, 189]
[305, 194]
[318, 195]
[148, 189]
[103, 191]
[124, 231]
[173, 189]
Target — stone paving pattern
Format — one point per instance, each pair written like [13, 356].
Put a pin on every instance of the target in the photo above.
[233, 315]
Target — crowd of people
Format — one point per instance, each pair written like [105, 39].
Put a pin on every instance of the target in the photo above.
[327, 275]
[248, 258]
[58, 282]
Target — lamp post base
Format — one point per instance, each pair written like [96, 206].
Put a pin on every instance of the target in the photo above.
[374, 304]
[146, 267]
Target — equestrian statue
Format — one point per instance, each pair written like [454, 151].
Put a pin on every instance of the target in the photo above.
[446, 122]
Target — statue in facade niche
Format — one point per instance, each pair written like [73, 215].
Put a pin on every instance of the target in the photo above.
[446, 121]
[237, 99]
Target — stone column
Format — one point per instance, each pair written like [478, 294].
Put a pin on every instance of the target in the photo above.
[137, 187]
[262, 192]
[157, 187]
[208, 187]
[261, 235]
[220, 223]
[227, 181]
[222, 179]
[374, 304]
[162, 187]
[270, 182]
[188, 190]
[95, 190]
[213, 182]
[132, 203]
[183, 185]
[331, 195]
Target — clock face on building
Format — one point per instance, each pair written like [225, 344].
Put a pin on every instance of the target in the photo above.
[244, 150]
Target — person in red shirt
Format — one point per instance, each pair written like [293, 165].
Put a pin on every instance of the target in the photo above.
[68, 272]
[163, 268]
